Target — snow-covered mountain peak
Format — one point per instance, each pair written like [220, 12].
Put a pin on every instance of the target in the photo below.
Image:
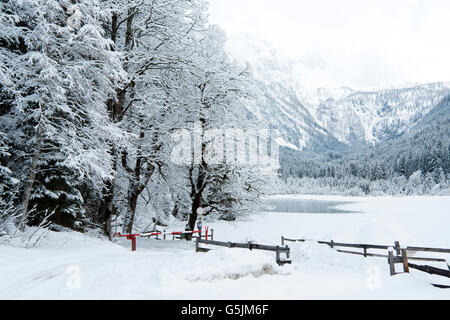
[329, 118]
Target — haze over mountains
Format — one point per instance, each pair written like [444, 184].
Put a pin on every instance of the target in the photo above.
[327, 119]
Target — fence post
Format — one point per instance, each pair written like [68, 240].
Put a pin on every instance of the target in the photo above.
[391, 262]
[197, 243]
[405, 261]
[365, 252]
[133, 243]
[397, 248]
[212, 234]
[282, 240]
[164, 234]
[277, 255]
[332, 244]
[288, 252]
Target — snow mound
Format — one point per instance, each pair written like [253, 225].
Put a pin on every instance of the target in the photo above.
[312, 255]
[259, 272]
[234, 264]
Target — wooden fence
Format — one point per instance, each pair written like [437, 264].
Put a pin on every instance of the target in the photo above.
[164, 235]
[208, 234]
[367, 247]
[401, 255]
[249, 245]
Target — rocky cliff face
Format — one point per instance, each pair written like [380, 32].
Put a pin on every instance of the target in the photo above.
[330, 119]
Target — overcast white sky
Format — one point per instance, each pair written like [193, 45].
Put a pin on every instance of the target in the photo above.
[365, 43]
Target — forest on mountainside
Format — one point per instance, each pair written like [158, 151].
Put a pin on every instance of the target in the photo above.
[418, 162]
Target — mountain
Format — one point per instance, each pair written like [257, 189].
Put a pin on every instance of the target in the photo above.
[281, 102]
[379, 116]
[425, 146]
[327, 119]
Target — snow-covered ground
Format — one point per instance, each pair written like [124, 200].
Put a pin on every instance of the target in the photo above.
[75, 266]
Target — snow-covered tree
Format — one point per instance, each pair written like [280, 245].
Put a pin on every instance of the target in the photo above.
[7, 187]
[60, 76]
[91, 95]
[155, 37]
[215, 96]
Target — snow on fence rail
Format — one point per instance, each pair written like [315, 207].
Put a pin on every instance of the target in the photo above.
[249, 245]
[403, 259]
[366, 247]
[401, 255]
[164, 234]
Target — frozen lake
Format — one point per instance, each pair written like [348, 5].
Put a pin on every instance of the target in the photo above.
[307, 206]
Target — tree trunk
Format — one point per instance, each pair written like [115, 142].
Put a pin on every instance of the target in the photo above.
[138, 180]
[106, 208]
[198, 185]
[115, 108]
[129, 222]
[32, 177]
[176, 209]
[196, 203]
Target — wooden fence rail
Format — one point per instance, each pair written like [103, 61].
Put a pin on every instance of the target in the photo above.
[401, 256]
[366, 247]
[249, 245]
[180, 236]
[431, 270]
[439, 250]
[186, 235]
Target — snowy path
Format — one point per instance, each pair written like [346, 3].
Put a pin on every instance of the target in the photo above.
[172, 270]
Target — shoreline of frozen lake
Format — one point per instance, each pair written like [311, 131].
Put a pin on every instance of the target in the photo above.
[306, 206]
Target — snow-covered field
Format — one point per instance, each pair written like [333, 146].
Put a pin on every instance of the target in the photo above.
[75, 266]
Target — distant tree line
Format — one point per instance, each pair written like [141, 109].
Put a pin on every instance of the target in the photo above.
[422, 154]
